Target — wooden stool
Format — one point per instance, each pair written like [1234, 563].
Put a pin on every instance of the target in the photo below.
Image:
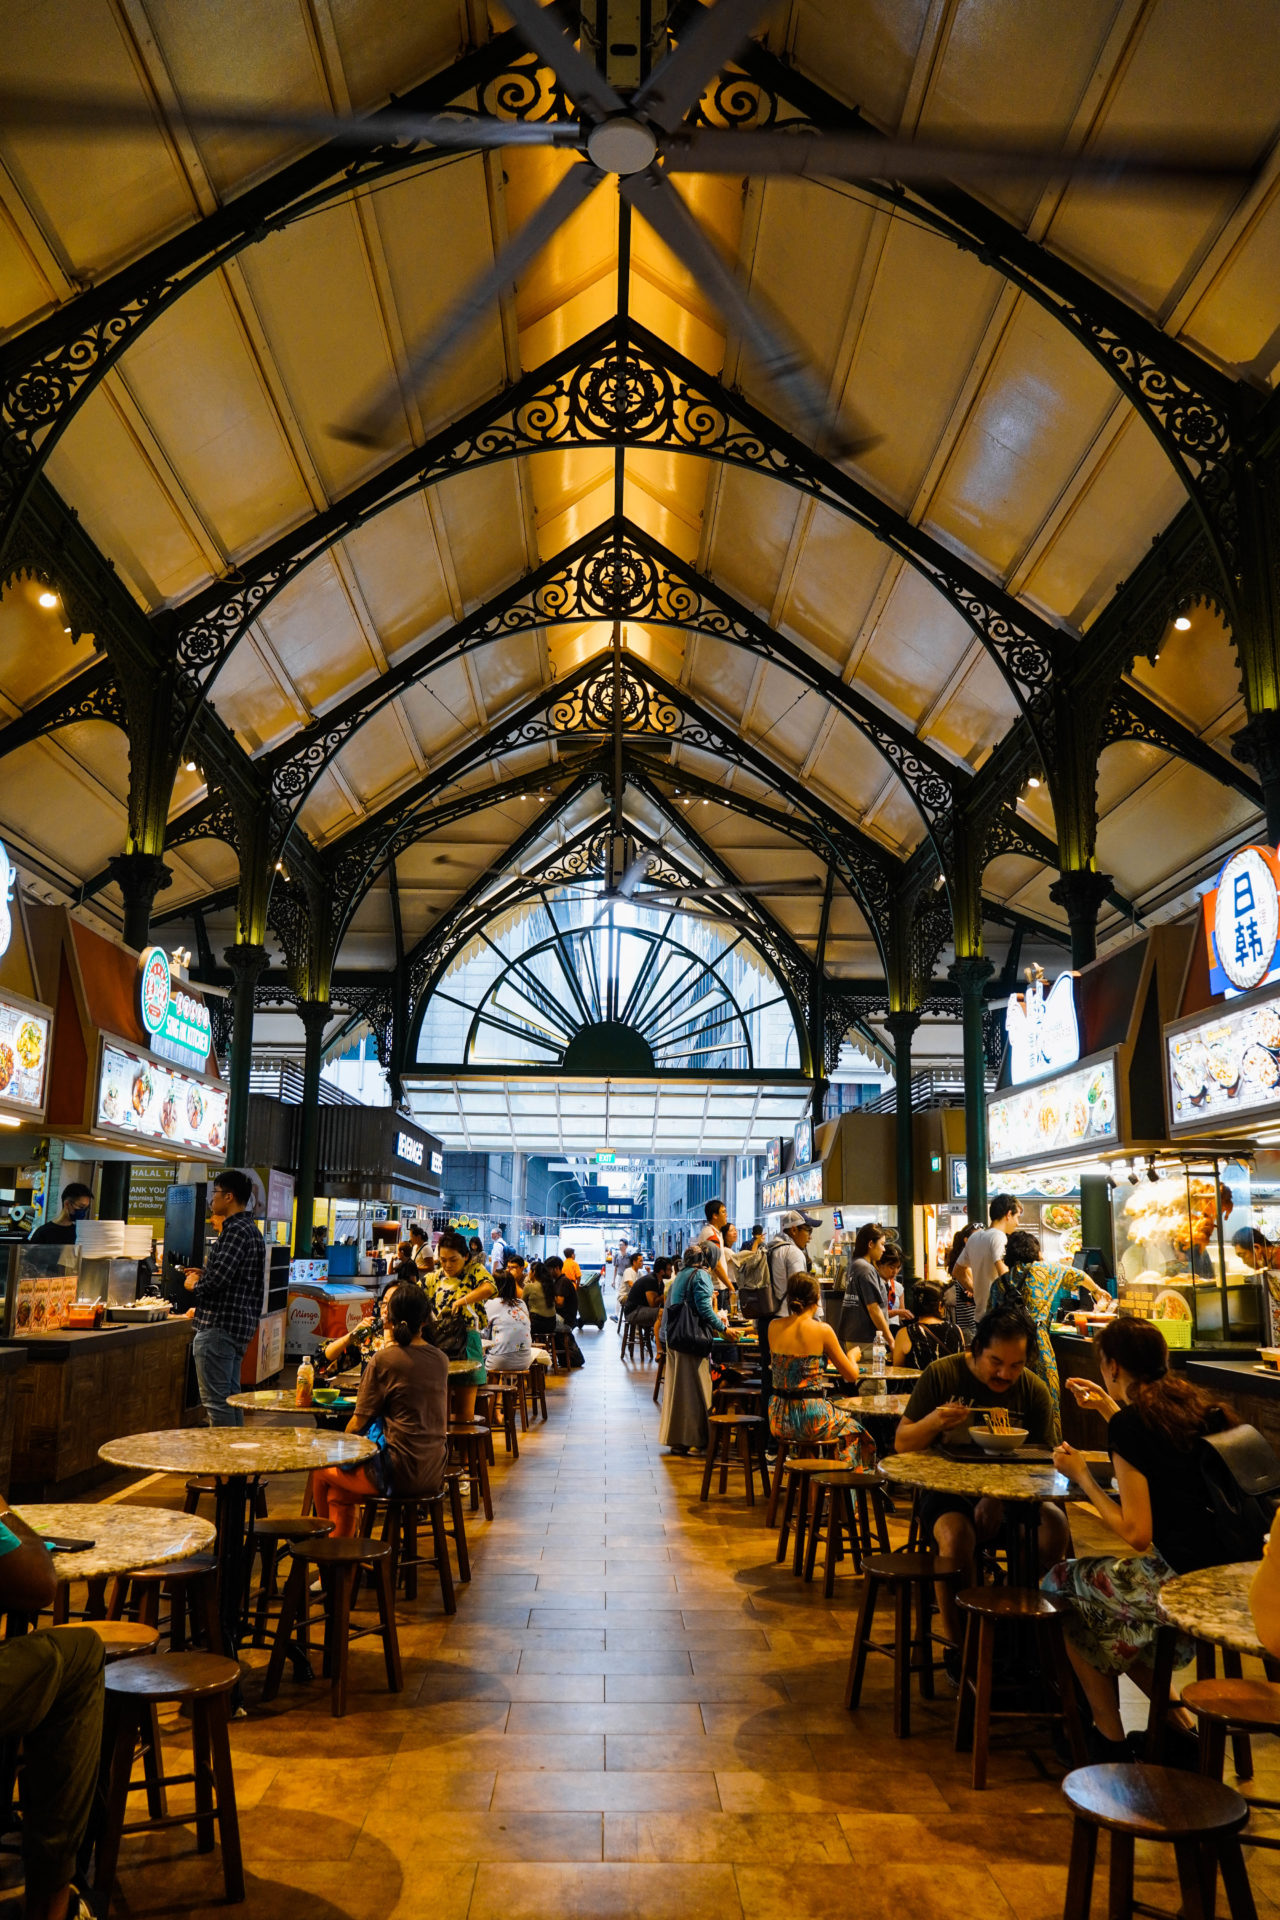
[121, 1639]
[266, 1539]
[201, 1484]
[1201, 1819]
[662, 1368]
[467, 1449]
[338, 1561]
[1233, 1707]
[987, 1608]
[401, 1514]
[191, 1587]
[537, 1389]
[559, 1344]
[135, 1688]
[796, 1505]
[726, 1430]
[842, 1496]
[633, 1331]
[908, 1576]
[735, 1396]
[457, 1523]
[512, 1397]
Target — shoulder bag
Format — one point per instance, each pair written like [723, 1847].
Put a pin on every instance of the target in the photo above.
[683, 1331]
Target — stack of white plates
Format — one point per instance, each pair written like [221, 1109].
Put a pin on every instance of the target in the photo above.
[100, 1239]
[137, 1242]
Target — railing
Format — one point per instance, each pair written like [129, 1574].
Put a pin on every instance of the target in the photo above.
[282, 1080]
[936, 1087]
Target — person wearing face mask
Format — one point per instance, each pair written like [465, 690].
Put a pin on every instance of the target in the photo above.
[77, 1204]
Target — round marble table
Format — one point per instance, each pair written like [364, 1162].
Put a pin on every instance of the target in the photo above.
[234, 1456]
[123, 1538]
[874, 1406]
[1213, 1606]
[1022, 1488]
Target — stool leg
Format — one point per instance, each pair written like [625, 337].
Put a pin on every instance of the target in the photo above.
[340, 1633]
[1241, 1746]
[726, 1455]
[802, 1524]
[784, 1531]
[1066, 1684]
[818, 1509]
[122, 1733]
[443, 1563]
[409, 1548]
[1084, 1855]
[95, 1606]
[775, 1490]
[982, 1703]
[924, 1638]
[748, 1464]
[1120, 1877]
[713, 1447]
[835, 1516]
[486, 1495]
[459, 1531]
[290, 1607]
[225, 1790]
[1235, 1879]
[882, 1519]
[152, 1761]
[1213, 1748]
[858, 1657]
[901, 1659]
[119, 1590]
[1161, 1684]
[963, 1741]
[387, 1614]
[1190, 1878]
[203, 1770]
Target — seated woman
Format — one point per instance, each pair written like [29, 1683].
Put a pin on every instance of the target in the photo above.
[686, 1396]
[799, 1347]
[511, 1348]
[406, 1387]
[1037, 1286]
[928, 1336]
[1161, 1513]
[539, 1297]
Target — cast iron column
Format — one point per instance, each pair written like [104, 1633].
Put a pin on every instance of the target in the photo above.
[315, 1016]
[1257, 745]
[902, 1026]
[246, 963]
[971, 976]
[1081, 893]
[140, 877]
[113, 1190]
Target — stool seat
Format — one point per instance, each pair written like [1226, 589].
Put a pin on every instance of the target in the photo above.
[192, 1569]
[913, 1566]
[292, 1526]
[121, 1639]
[849, 1476]
[174, 1676]
[1154, 1803]
[1009, 1603]
[348, 1552]
[1251, 1704]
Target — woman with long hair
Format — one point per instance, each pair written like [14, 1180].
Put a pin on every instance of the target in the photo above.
[511, 1347]
[406, 1387]
[927, 1336]
[1161, 1511]
[1038, 1286]
[865, 1309]
[800, 1346]
[462, 1285]
[686, 1394]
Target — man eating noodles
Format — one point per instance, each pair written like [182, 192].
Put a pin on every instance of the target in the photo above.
[992, 1375]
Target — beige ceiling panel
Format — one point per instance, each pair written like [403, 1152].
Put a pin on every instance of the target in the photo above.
[809, 286]
[1041, 405]
[313, 631]
[48, 804]
[102, 751]
[1196, 676]
[582, 253]
[126, 506]
[327, 810]
[376, 758]
[35, 654]
[1158, 832]
[667, 299]
[1141, 241]
[753, 527]
[696, 332]
[1036, 807]
[568, 646]
[484, 528]
[1235, 321]
[188, 788]
[850, 768]
[1132, 492]
[722, 675]
[510, 672]
[207, 866]
[441, 710]
[98, 203]
[252, 702]
[396, 563]
[926, 312]
[385, 45]
[894, 820]
[662, 647]
[574, 513]
[665, 494]
[868, 61]
[837, 574]
[195, 380]
[1124, 769]
[975, 712]
[25, 290]
[918, 643]
[1008, 876]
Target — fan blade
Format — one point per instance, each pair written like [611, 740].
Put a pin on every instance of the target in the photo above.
[679, 82]
[657, 201]
[581, 79]
[865, 156]
[634, 874]
[63, 113]
[371, 429]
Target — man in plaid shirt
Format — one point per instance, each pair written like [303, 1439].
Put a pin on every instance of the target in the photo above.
[228, 1297]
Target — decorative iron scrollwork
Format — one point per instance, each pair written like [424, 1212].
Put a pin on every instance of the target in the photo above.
[614, 696]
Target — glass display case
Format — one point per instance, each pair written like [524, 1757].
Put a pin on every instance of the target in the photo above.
[40, 1284]
[1184, 1256]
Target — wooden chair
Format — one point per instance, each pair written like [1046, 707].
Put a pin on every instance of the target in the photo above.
[537, 1389]
[1199, 1818]
[910, 1578]
[267, 1540]
[988, 1609]
[202, 1682]
[338, 1561]
[633, 1332]
[1229, 1708]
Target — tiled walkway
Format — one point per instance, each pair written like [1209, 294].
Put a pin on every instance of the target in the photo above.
[635, 1712]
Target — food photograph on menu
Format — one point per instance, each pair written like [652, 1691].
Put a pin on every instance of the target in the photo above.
[24, 1056]
[1226, 1065]
[159, 1103]
[1076, 1109]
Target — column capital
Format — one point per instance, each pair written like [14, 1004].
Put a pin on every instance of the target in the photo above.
[315, 1016]
[1080, 890]
[971, 974]
[140, 877]
[902, 1022]
[246, 961]
[1257, 745]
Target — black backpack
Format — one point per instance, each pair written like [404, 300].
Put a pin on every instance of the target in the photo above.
[1240, 1477]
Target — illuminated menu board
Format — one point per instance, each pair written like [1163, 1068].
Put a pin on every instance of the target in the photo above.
[138, 1096]
[1225, 1067]
[805, 1189]
[1072, 1114]
[24, 1056]
[773, 1194]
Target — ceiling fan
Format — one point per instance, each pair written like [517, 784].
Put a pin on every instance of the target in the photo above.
[642, 141]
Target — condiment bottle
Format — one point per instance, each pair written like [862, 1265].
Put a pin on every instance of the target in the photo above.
[306, 1384]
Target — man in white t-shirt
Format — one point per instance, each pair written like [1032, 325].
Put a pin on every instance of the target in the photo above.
[983, 1255]
[713, 1235]
[497, 1251]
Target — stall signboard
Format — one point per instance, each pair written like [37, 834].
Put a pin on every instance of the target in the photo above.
[407, 1148]
[24, 1056]
[175, 1021]
[773, 1194]
[1074, 1113]
[1241, 922]
[138, 1097]
[1044, 1033]
[1226, 1067]
[279, 1194]
[804, 1143]
[149, 1184]
[805, 1189]
[1041, 1185]
[437, 1161]
[773, 1158]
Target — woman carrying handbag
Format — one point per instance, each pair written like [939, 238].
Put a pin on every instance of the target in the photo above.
[690, 1324]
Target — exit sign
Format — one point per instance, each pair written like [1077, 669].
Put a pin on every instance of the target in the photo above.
[606, 1159]
[935, 1163]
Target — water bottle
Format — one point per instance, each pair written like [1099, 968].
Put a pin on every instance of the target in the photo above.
[877, 1357]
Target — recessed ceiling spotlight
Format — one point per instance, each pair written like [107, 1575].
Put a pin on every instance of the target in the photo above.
[1033, 780]
[1183, 623]
[48, 599]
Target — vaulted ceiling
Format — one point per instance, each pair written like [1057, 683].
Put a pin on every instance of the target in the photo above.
[990, 429]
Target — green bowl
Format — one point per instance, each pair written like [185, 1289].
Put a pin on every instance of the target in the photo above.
[325, 1396]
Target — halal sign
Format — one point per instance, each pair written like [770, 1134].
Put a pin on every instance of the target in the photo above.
[1242, 920]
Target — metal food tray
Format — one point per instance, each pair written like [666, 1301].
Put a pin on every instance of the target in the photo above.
[136, 1314]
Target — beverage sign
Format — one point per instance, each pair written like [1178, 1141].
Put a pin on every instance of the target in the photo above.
[803, 1143]
[1044, 1034]
[178, 1023]
[150, 1102]
[1242, 922]
[773, 1157]
[407, 1148]
[1075, 1112]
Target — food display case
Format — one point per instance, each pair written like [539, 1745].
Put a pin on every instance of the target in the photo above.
[1178, 1259]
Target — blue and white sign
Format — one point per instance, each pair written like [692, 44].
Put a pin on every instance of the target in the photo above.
[1242, 922]
[1044, 1033]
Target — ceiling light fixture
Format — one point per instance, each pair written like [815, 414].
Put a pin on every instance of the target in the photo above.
[48, 599]
[1183, 623]
[1033, 780]
[191, 767]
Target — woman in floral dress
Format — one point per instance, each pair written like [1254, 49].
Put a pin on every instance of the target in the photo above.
[799, 1348]
[1037, 1286]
